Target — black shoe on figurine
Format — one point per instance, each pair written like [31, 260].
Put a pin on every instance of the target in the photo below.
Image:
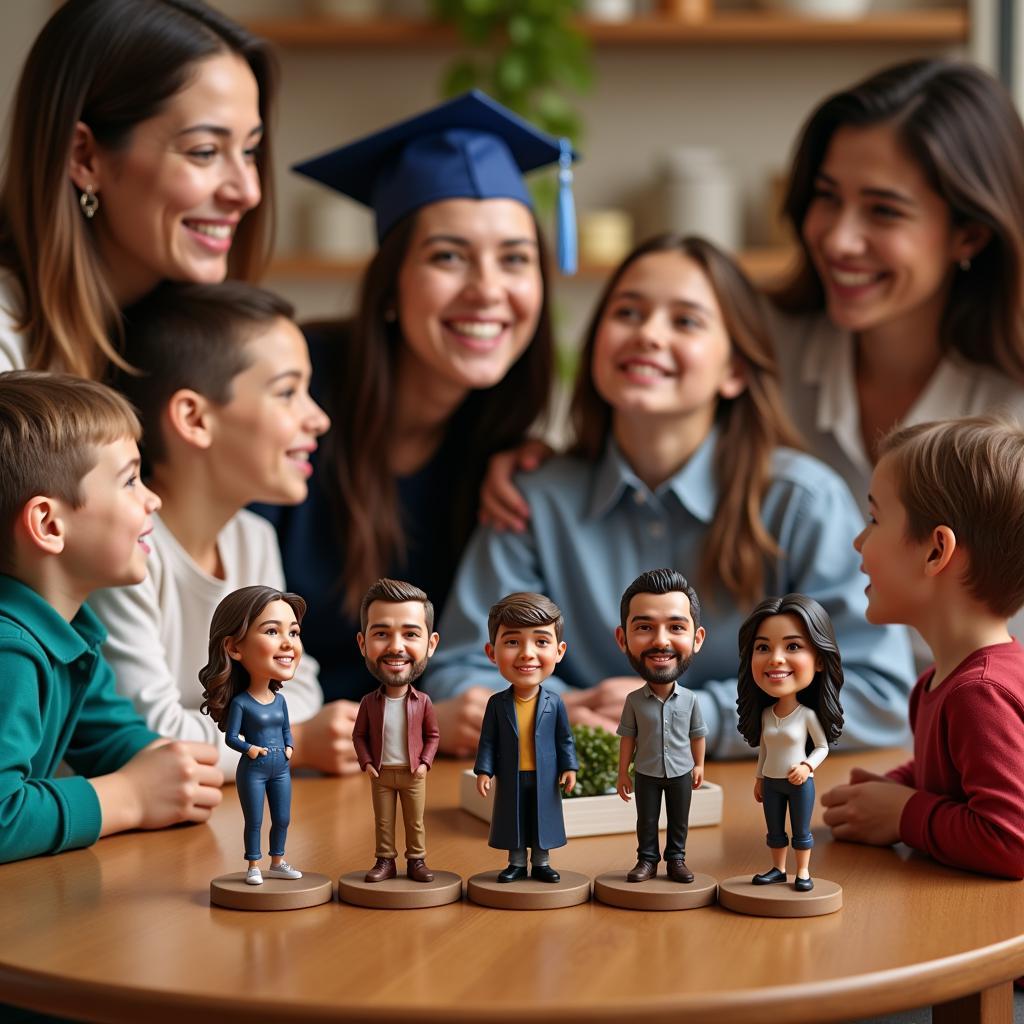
[803, 884]
[383, 869]
[513, 873]
[678, 871]
[769, 877]
[643, 871]
[544, 873]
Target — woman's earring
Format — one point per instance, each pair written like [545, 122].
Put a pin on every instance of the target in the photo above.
[89, 202]
[965, 264]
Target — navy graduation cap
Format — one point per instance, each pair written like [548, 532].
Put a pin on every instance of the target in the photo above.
[470, 147]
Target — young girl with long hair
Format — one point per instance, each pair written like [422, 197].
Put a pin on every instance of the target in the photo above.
[684, 456]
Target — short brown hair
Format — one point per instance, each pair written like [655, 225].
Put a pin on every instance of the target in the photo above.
[190, 336]
[524, 609]
[396, 592]
[50, 427]
[968, 474]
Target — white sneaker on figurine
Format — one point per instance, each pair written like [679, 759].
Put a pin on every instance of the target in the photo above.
[254, 877]
[283, 870]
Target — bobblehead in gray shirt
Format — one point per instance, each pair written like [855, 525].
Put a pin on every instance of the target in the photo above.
[663, 730]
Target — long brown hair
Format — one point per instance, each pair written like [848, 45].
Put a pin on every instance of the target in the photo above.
[960, 126]
[822, 696]
[751, 426]
[109, 64]
[222, 677]
[361, 403]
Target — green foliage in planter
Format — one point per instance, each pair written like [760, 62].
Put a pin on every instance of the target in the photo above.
[598, 753]
[524, 53]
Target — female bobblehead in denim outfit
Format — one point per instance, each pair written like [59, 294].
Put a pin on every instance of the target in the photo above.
[254, 649]
[788, 694]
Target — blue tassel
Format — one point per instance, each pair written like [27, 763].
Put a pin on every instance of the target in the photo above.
[566, 212]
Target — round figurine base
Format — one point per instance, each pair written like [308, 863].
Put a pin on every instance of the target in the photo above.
[781, 899]
[658, 893]
[572, 890]
[310, 890]
[400, 893]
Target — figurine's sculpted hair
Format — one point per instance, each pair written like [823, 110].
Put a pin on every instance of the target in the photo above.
[660, 581]
[222, 677]
[50, 427]
[395, 592]
[522, 610]
[968, 474]
[822, 696]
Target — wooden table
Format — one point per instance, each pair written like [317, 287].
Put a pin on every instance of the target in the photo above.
[124, 931]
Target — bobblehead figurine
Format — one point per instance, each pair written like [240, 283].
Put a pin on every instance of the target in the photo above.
[526, 746]
[255, 648]
[396, 733]
[788, 701]
[396, 738]
[661, 726]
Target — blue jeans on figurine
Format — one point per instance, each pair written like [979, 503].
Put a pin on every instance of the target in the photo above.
[776, 795]
[267, 775]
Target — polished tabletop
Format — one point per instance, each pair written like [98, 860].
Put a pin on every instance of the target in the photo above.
[124, 931]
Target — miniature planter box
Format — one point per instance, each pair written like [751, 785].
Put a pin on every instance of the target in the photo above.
[599, 815]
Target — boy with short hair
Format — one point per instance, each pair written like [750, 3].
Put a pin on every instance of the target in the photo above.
[525, 738]
[74, 517]
[221, 385]
[944, 551]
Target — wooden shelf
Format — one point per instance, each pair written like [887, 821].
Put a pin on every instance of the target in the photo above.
[937, 26]
[762, 264]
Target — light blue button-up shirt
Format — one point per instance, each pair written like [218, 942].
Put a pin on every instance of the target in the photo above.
[663, 730]
[594, 527]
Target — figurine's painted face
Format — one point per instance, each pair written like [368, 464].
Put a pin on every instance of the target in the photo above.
[659, 639]
[889, 558]
[525, 655]
[880, 237]
[661, 347]
[265, 433]
[171, 200]
[397, 644]
[470, 292]
[105, 540]
[272, 647]
[783, 661]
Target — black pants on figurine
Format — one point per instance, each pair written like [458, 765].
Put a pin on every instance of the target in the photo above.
[648, 790]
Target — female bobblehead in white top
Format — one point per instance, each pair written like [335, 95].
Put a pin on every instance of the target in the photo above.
[788, 700]
[137, 149]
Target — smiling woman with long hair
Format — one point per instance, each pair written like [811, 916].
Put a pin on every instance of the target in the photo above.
[138, 147]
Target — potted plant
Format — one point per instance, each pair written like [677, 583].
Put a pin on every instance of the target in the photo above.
[594, 808]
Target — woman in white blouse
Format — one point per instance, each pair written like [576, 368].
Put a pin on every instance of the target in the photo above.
[788, 704]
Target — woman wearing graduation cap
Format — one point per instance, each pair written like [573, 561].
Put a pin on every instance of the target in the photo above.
[447, 360]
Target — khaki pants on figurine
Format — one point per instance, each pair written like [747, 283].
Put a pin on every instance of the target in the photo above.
[394, 784]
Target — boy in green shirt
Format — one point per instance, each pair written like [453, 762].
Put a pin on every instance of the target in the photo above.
[73, 518]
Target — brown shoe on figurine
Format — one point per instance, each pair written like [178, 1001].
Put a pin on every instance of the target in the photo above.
[678, 871]
[643, 871]
[382, 870]
[416, 869]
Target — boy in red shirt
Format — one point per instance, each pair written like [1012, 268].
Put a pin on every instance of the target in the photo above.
[944, 551]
